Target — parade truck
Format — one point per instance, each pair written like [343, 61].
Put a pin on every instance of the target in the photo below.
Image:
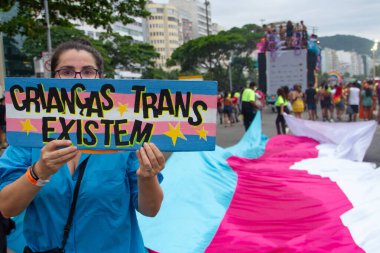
[286, 63]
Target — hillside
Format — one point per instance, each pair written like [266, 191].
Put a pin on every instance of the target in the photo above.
[348, 43]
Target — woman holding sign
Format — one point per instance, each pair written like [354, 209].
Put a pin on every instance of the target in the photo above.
[78, 202]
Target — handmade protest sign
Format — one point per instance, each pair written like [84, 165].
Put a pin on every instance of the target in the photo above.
[107, 114]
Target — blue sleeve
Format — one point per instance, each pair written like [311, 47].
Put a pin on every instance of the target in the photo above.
[13, 164]
[133, 165]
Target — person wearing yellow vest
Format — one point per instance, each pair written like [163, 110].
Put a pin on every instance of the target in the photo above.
[281, 104]
[248, 105]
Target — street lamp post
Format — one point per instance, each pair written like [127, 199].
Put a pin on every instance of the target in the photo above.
[2, 64]
[48, 25]
[230, 72]
[207, 3]
[374, 51]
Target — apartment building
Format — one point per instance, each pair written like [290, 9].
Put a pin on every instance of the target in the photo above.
[163, 30]
[198, 13]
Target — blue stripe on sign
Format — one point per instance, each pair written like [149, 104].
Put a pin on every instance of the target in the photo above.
[121, 85]
[164, 143]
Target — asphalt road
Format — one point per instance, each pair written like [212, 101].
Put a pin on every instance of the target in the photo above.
[228, 136]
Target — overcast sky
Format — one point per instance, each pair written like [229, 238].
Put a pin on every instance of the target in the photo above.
[329, 17]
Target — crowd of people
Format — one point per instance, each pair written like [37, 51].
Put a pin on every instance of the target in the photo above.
[286, 36]
[245, 102]
[338, 102]
[327, 102]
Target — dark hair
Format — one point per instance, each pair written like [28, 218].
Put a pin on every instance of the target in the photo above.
[77, 45]
[286, 90]
[281, 92]
[252, 84]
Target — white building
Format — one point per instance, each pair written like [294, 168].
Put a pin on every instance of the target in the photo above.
[216, 28]
[199, 16]
[344, 62]
[164, 30]
[330, 60]
[135, 30]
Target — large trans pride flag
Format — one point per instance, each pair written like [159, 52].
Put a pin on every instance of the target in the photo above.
[291, 193]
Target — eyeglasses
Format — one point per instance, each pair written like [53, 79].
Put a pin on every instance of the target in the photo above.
[84, 73]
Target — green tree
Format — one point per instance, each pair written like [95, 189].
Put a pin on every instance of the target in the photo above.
[212, 53]
[128, 54]
[117, 51]
[30, 19]
[33, 46]
[159, 73]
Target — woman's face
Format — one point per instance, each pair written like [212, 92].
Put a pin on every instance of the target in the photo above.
[80, 61]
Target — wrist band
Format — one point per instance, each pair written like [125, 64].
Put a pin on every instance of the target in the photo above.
[34, 179]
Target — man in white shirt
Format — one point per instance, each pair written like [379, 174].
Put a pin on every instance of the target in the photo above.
[353, 101]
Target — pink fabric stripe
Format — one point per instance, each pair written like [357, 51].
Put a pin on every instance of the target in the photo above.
[129, 99]
[14, 125]
[275, 209]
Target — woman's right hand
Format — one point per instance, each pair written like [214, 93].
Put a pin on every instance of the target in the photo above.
[53, 155]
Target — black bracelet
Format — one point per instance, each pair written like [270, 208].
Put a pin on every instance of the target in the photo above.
[34, 176]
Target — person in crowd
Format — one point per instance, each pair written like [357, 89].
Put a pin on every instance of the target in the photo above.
[331, 109]
[227, 110]
[297, 100]
[353, 99]
[338, 101]
[378, 100]
[6, 226]
[3, 129]
[289, 34]
[235, 107]
[220, 107]
[311, 101]
[326, 103]
[305, 35]
[248, 105]
[282, 32]
[288, 106]
[114, 184]
[280, 108]
[367, 99]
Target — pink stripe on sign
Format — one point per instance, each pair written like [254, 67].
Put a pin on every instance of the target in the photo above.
[275, 209]
[129, 99]
[15, 125]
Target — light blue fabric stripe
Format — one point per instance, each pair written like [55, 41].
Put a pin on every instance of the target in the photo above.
[198, 189]
[164, 142]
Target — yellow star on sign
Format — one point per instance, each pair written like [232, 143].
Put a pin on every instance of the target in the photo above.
[202, 133]
[174, 133]
[27, 126]
[122, 108]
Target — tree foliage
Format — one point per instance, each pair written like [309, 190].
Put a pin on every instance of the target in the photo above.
[117, 51]
[33, 46]
[126, 54]
[30, 18]
[213, 53]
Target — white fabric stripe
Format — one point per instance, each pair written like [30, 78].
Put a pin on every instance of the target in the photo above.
[351, 139]
[360, 182]
[208, 117]
[341, 145]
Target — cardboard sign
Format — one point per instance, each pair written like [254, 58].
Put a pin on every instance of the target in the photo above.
[107, 114]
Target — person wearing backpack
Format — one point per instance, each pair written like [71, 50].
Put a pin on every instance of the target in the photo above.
[367, 100]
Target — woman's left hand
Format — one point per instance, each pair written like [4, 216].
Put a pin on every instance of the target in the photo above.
[151, 161]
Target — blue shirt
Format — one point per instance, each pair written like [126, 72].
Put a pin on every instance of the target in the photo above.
[105, 216]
